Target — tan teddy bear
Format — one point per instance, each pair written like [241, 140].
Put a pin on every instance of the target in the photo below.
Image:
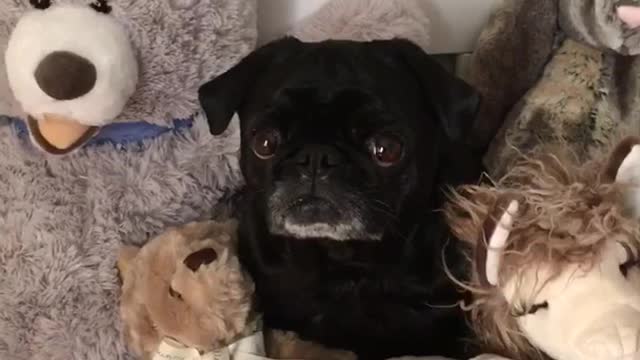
[186, 297]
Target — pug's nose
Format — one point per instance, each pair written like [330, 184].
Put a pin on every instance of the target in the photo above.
[64, 75]
[318, 160]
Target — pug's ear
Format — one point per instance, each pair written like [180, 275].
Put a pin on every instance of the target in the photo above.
[454, 102]
[221, 97]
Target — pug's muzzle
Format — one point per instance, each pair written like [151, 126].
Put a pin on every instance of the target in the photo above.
[313, 201]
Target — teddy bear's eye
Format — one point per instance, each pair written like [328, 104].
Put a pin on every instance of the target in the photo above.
[40, 4]
[174, 294]
[101, 6]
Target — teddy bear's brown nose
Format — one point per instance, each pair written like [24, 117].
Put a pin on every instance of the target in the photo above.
[65, 76]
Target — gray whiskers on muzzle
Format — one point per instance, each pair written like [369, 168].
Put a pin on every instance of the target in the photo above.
[318, 216]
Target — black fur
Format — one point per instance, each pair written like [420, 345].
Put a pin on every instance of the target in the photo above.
[378, 298]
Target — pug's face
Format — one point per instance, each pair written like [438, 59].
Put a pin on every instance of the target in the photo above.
[332, 162]
[338, 137]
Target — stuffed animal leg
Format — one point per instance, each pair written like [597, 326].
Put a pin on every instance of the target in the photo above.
[517, 41]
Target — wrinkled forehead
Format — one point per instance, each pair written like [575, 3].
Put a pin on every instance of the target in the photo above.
[342, 77]
[326, 109]
[320, 65]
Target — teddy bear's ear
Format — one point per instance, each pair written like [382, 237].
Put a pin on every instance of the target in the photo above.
[201, 257]
[125, 257]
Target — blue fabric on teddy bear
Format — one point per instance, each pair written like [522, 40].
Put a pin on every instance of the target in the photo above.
[120, 133]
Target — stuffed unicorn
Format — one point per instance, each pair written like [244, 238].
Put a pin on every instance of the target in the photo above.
[555, 257]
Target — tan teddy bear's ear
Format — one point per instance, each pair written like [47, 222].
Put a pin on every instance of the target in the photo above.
[201, 257]
[125, 257]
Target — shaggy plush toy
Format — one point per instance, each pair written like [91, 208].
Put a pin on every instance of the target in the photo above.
[185, 296]
[100, 147]
[556, 70]
[554, 250]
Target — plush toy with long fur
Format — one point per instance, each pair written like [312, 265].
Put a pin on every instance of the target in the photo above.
[554, 249]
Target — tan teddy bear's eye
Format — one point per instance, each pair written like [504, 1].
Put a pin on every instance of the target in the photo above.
[174, 294]
[40, 4]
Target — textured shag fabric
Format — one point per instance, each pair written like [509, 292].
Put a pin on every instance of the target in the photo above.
[365, 20]
[512, 50]
[568, 73]
[63, 218]
[178, 42]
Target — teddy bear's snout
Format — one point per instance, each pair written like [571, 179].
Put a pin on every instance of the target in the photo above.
[83, 80]
[64, 75]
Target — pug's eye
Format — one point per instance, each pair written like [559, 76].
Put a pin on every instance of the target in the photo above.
[386, 149]
[265, 143]
[101, 6]
[174, 294]
[40, 4]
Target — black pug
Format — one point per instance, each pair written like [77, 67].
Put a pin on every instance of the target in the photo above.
[347, 148]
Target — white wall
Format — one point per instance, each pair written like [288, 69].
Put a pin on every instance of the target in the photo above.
[275, 17]
[455, 23]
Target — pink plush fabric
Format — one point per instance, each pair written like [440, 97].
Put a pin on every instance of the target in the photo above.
[630, 15]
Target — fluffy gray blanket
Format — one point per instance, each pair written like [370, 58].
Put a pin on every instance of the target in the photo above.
[63, 219]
